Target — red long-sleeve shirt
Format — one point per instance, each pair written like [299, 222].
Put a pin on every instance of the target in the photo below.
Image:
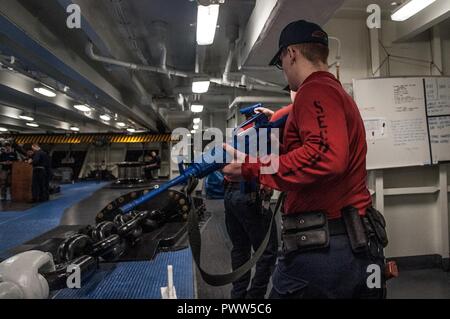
[322, 165]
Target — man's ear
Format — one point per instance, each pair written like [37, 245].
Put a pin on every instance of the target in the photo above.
[292, 54]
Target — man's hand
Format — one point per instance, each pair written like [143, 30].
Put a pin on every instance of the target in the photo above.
[237, 156]
[233, 172]
[266, 112]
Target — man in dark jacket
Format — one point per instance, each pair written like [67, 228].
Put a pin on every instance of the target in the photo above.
[7, 157]
[41, 174]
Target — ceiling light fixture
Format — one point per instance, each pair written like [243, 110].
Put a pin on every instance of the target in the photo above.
[200, 86]
[121, 124]
[48, 92]
[180, 99]
[409, 9]
[105, 117]
[196, 108]
[33, 124]
[74, 128]
[197, 120]
[82, 107]
[195, 127]
[131, 130]
[3, 129]
[26, 117]
[207, 23]
[193, 132]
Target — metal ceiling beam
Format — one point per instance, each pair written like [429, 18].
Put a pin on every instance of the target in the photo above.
[18, 125]
[40, 47]
[260, 39]
[18, 92]
[42, 118]
[424, 20]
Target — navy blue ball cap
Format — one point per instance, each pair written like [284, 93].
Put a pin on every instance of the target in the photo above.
[298, 32]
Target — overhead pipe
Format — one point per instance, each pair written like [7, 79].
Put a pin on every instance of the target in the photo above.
[133, 66]
[338, 57]
[260, 86]
[230, 57]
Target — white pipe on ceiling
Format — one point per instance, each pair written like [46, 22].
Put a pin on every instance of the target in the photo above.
[133, 66]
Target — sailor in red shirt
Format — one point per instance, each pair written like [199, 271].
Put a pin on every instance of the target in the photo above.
[328, 241]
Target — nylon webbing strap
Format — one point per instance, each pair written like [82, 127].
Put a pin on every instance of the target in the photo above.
[196, 245]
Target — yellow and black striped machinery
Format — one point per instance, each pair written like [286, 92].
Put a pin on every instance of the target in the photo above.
[89, 138]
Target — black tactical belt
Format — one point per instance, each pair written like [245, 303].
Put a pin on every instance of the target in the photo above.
[232, 186]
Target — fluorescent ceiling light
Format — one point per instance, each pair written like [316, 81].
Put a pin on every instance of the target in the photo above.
[409, 9]
[193, 132]
[2, 129]
[82, 107]
[26, 117]
[45, 91]
[188, 135]
[131, 130]
[200, 86]
[180, 99]
[105, 117]
[195, 127]
[121, 124]
[33, 124]
[197, 120]
[196, 108]
[207, 23]
[75, 129]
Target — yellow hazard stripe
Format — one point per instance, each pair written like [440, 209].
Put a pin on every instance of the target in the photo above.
[89, 138]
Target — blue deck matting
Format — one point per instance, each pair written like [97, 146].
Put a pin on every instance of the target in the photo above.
[19, 227]
[138, 280]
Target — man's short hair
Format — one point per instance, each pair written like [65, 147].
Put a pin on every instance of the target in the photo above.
[314, 52]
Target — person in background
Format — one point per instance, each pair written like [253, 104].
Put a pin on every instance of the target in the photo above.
[247, 220]
[41, 174]
[154, 163]
[28, 155]
[156, 159]
[147, 159]
[7, 157]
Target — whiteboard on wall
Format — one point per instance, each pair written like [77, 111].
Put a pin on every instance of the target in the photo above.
[394, 114]
[438, 111]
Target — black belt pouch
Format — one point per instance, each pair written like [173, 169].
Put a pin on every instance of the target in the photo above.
[355, 229]
[305, 231]
[378, 223]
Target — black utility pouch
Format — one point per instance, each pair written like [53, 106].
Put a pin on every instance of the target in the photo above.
[378, 223]
[305, 231]
[355, 229]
